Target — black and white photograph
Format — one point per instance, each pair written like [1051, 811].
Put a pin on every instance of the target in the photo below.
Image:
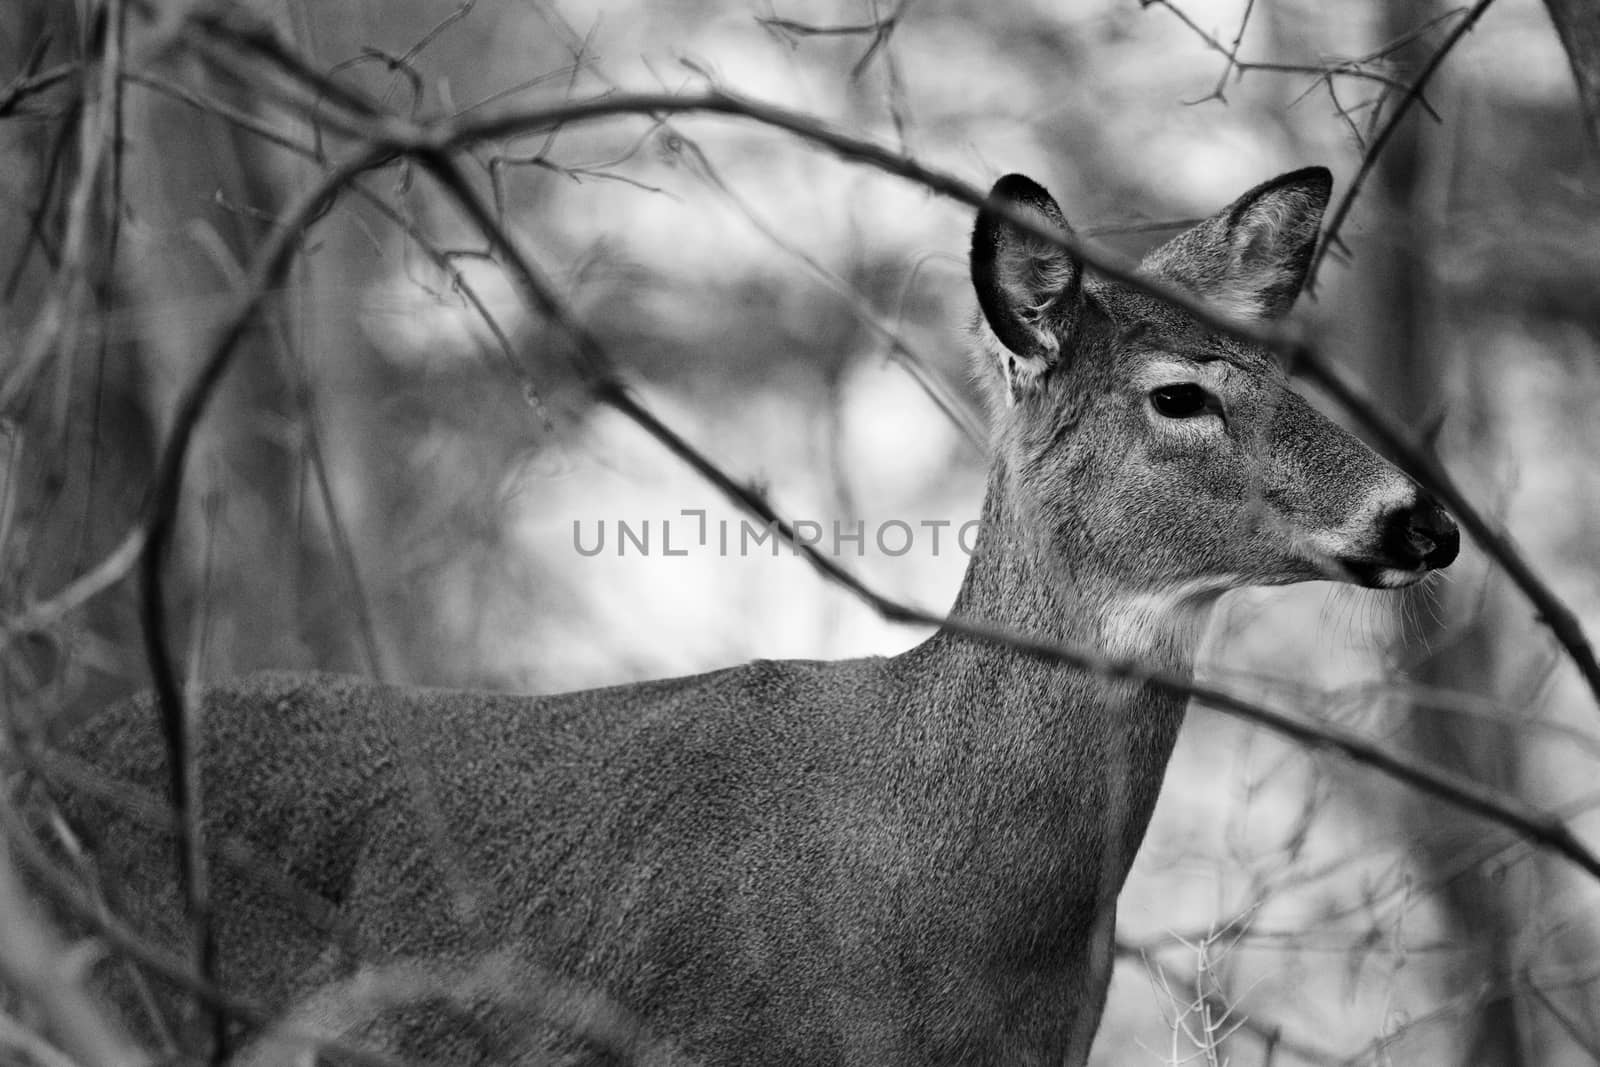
[799, 533]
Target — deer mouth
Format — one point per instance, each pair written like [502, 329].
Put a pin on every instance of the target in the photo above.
[1388, 573]
[1375, 574]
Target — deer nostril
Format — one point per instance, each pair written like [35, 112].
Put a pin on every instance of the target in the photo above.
[1447, 545]
[1430, 534]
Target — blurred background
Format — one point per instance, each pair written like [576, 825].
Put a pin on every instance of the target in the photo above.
[403, 476]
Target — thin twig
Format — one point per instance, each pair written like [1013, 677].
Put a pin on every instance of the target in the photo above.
[47, 191]
[954, 408]
[1323, 73]
[377, 201]
[1233, 50]
[29, 84]
[212, 104]
[463, 9]
[1267, 1031]
[1375, 147]
[78, 592]
[1581, 1036]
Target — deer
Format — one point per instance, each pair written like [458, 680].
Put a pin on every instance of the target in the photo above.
[913, 859]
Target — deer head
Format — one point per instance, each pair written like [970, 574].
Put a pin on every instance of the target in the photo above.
[1153, 453]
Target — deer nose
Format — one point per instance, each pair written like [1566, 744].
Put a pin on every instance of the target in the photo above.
[1423, 533]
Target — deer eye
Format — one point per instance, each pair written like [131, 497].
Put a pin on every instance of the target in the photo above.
[1182, 401]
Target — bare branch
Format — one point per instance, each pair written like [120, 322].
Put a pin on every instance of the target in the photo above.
[463, 9]
[1324, 73]
[598, 370]
[29, 84]
[1380, 140]
[1581, 1035]
[1284, 338]
[79, 591]
[1268, 1032]
[957, 410]
[37, 237]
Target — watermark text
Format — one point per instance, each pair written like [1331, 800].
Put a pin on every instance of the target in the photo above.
[692, 532]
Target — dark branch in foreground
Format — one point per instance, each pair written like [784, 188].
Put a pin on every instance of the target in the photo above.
[599, 371]
[1284, 339]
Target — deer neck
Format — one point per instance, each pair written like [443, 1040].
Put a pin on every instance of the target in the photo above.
[1038, 742]
[1023, 580]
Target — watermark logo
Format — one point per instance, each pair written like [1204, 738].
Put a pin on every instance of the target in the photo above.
[691, 533]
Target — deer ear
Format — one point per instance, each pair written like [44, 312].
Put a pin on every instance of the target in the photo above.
[1027, 287]
[1251, 258]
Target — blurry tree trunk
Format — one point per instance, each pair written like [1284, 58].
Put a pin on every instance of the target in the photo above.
[1578, 24]
[205, 193]
[180, 199]
[1410, 360]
